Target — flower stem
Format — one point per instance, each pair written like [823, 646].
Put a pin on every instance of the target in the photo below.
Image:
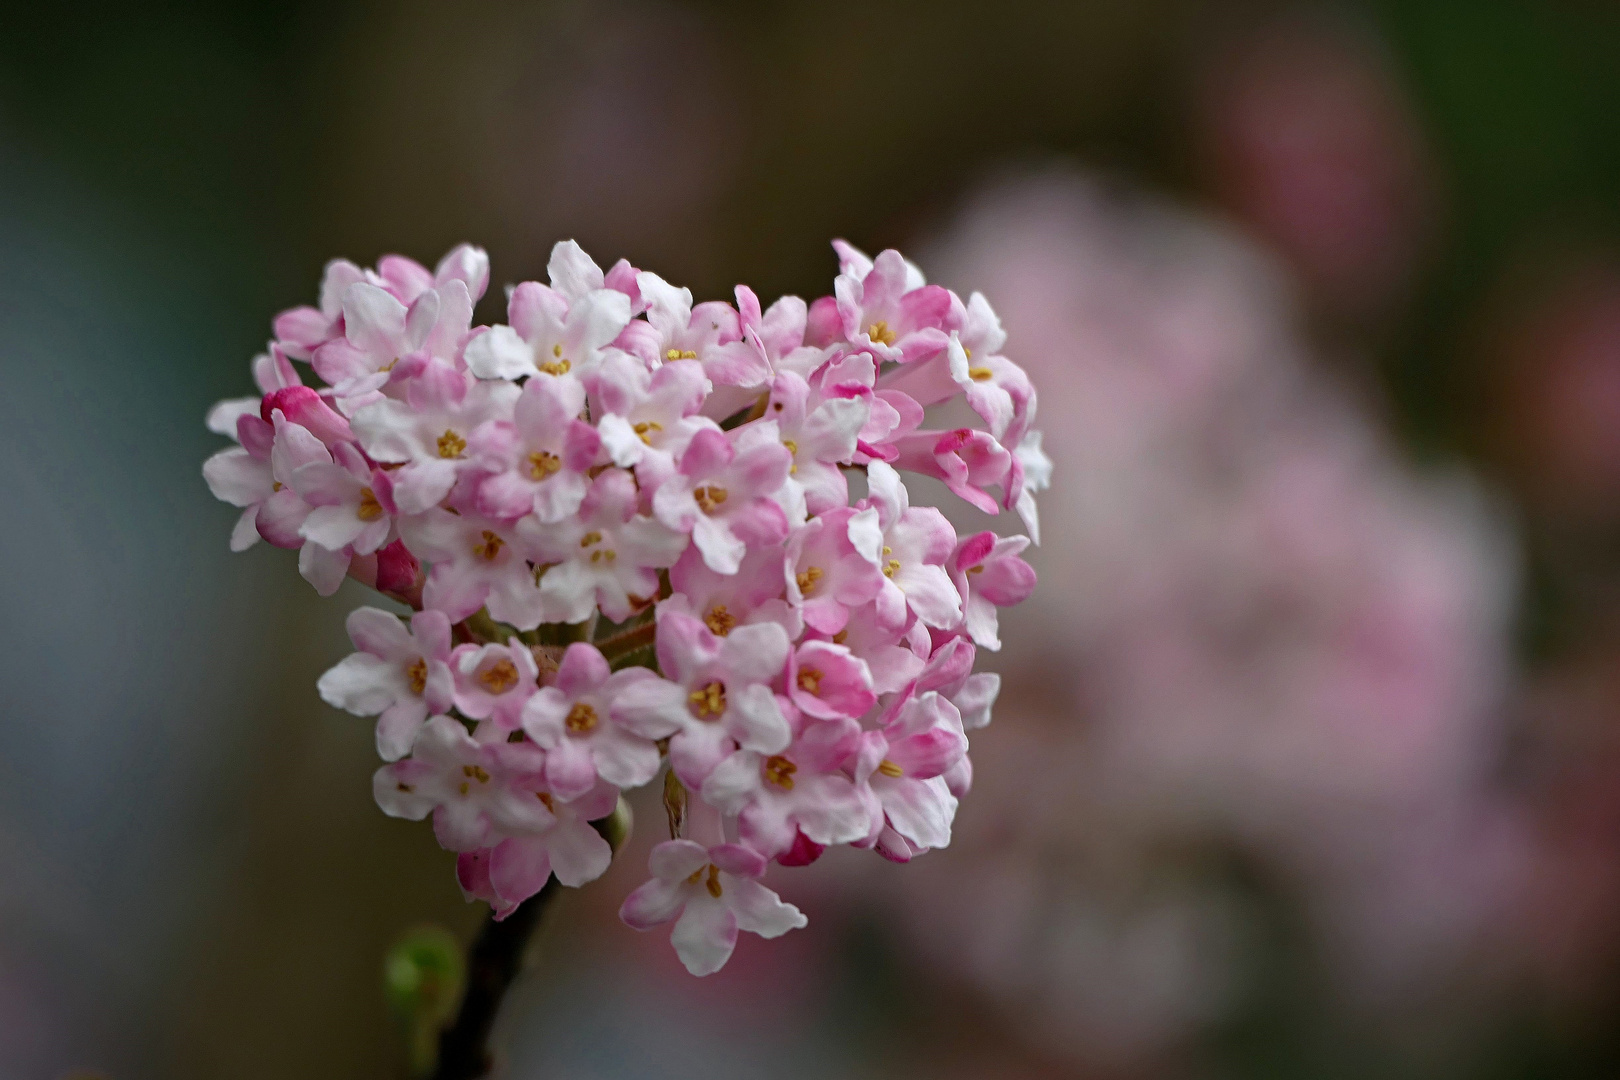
[492, 963]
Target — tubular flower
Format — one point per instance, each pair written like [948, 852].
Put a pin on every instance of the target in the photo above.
[623, 522]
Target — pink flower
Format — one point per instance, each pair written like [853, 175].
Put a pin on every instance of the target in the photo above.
[827, 681]
[832, 567]
[715, 695]
[301, 330]
[646, 417]
[539, 458]
[494, 681]
[606, 556]
[711, 893]
[722, 494]
[675, 330]
[353, 503]
[402, 674]
[550, 332]
[754, 594]
[242, 475]
[884, 313]
[777, 334]
[305, 407]
[968, 460]
[565, 845]
[281, 516]
[820, 433]
[573, 720]
[800, 789]
[477, 562]
[989, 574]
[899, 769]
[380, 331]
[427, 433]
[478, 793]
[895, 655]
[916, 543]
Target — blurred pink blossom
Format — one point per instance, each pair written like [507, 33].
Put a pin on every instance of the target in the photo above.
[1258, 631]
[1311, 140]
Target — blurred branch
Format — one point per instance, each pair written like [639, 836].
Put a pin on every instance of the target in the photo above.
[492, 964]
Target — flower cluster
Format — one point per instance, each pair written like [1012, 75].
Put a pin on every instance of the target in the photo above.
[626, 529]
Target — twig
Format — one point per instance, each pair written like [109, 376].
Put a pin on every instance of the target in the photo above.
[492, 964]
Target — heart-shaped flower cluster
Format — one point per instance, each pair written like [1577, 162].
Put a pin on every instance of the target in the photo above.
[625, 526]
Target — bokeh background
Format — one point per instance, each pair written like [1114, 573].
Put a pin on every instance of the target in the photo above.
[1308, 758]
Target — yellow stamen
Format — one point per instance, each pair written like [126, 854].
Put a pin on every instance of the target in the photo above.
[276, 485]
[406, 788]
[707, 701]
[545, 800]
[476, 772]
[810, 680]
[719, 620]
[417, 675]
[980, 374]
[890, 567]
[451, 445]
[556, 367]
[581, 718]
[710, 496]
[644, 427]
[592, 537]
[841, 637]
[807, 579]
[967, 352]
[600, 556]
[542, 463]
[880, 333]
[370, 509]
[499, 677]
[680, 354]
[779, 771]
[713, 884]
[489, 546]
[889, 768]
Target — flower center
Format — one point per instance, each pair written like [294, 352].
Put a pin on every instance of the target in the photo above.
[451, 444]
[889, 565]
[416, 674]
[807, 579]
[980, 374]
[556, 365]
[779, 771]
[810, 680]
[710, 496]
[581, 718]
[880, 333]
[707, 701]
[644, 427]
[473, 772]
[719, 620]
[370, 509]
[542, 463]
[680, 354]
[889, 768]
[545, 800]
[499, 677]
[488, 546]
